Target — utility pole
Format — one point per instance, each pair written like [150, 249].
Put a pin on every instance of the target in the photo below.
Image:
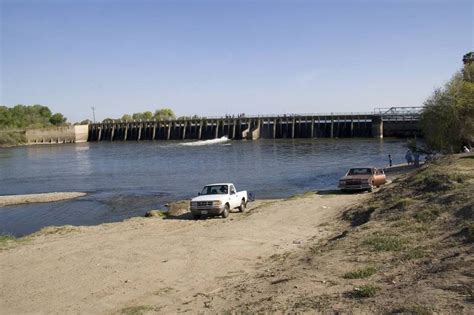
[93, 113]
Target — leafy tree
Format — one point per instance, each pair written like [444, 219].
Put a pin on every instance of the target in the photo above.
[147, 115]
[137, 116]
[5, 117]
[85, 122]
[448, 116]
[164, 114]
[126, 117]
[21, 116]
[57, 119]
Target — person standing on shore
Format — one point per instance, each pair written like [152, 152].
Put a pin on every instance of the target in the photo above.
[390, 162]
[416, 156]
[409, 157]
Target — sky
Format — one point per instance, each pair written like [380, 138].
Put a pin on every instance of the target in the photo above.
[215, 58]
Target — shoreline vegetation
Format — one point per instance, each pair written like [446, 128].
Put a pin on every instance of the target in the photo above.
[406, 248]
[10, 200]
[16, 120]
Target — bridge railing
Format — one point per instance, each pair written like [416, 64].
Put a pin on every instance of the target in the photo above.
[389, 113]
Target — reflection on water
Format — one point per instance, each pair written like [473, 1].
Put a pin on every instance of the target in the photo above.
[127, 179]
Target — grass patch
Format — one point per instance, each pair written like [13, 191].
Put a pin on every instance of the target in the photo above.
[402, 203]
[136, 310]
[425, 216]
[433, 181]
[364, 291]
[8, 241]
[414, 253]
[413, 310]
[459, 177]
[4, 238]
[360, 273]
[380, 242]
[408, 224]
[467, 232]
[59, 230]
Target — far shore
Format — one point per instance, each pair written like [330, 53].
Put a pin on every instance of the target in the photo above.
[37, 198]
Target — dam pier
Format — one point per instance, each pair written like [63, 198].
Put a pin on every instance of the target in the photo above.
[392, 122]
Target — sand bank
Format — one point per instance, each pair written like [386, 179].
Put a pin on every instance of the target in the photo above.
[34, 198]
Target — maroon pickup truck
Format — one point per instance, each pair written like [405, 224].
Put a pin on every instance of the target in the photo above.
[364, 178]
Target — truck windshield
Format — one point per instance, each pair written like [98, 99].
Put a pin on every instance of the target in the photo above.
[360, 171]
[215, 190]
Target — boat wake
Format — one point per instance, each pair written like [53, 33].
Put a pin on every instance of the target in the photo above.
[207, 142]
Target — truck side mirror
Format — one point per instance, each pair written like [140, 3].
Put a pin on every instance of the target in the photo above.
[199, 194]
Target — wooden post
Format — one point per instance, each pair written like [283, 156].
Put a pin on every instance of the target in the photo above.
[112, 133]
[233, 129]
[139, 135]
[200, 130]
[293, 128]
[100, 134]
[274, 128]
[217, 129]
[184, 130]
[168, 136]
[153, 133]
[332, 126]
[312, 127]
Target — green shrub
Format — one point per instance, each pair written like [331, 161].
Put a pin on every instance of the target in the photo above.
[414, 253]
[360, 273]
[364, 291]
[428, 215]
[12, 137]
[381, 242]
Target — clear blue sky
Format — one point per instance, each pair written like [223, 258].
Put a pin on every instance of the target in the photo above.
[227, 57]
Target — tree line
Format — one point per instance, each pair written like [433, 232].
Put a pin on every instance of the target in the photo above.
[24, 116]
[159, 114]
[447, 119]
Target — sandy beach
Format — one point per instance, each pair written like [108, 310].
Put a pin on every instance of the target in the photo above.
[106, 268]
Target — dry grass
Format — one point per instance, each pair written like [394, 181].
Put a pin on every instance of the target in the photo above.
[360, 273]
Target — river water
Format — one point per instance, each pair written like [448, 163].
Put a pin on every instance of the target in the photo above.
[124, 180]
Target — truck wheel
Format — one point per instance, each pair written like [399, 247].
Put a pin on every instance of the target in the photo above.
[225, 213]
[242, 206]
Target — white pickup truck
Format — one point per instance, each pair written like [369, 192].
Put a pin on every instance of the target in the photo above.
[218, 199]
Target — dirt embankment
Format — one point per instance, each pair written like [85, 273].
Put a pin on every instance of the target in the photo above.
[407, 248]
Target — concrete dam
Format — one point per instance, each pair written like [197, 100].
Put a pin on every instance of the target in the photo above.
[393, 122]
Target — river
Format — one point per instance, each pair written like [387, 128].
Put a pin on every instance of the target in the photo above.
[124, 180]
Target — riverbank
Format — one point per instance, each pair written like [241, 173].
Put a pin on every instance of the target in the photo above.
[38, 198]
[406, 247]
